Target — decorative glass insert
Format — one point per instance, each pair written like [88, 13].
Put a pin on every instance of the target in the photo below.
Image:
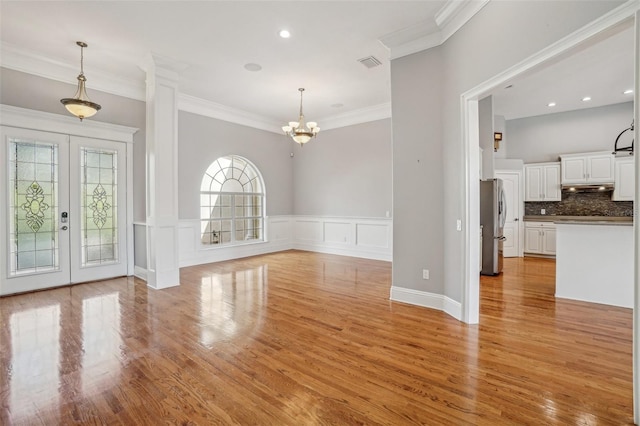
[99, 210]
[33, 207]
[231, 202]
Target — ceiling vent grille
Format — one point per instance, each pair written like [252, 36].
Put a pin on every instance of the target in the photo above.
[370, 61]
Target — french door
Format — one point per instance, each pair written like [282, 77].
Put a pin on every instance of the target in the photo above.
[64, 209]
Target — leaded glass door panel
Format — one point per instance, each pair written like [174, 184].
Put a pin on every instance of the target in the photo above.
[63, 211]
[98, 199]
[34, 192]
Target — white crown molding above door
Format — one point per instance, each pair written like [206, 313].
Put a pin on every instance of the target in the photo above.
[58, 123]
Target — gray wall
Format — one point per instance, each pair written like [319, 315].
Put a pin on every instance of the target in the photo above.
[344, 172]
[543, 138]
[41, 94]
[418, 184]
[201, 140]
[485, 128]
[498, 37]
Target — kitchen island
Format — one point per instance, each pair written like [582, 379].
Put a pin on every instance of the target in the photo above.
[594, 261]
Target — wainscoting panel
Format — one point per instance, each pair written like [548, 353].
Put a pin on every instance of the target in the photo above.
[193, 252]
[347, 236]
[308, 230]
[373, 235]
[336, 232]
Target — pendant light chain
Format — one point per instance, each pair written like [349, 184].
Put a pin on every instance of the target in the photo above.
[81, 60]
[301, 90]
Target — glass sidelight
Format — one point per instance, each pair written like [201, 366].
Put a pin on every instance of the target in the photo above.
[33, 207]
[99, 206]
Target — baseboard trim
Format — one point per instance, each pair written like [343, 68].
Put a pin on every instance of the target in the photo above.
[140, 273]
[427, 300]
[452, 307]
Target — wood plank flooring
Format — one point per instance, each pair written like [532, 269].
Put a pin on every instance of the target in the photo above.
[300, 338]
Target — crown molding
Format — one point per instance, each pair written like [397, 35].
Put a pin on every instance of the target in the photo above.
[411, 40]
[211, 109]
[454, 14]
[449, 19]
[363, 115]
[19, 59]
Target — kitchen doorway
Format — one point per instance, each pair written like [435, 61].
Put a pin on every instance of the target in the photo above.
[470, 297]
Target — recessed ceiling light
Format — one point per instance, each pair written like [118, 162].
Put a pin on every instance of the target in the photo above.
[551, 104]
[586, 99]
[252, 67]
[627, 92]
[284, 34]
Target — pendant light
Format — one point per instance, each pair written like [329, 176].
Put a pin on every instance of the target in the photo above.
[80, 105]
[300, 132]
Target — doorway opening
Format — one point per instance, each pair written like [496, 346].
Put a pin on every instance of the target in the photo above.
[597, 30]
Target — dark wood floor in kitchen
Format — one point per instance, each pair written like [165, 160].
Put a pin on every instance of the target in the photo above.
[299, 338]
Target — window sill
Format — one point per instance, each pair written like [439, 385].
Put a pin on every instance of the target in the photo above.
[207, 247]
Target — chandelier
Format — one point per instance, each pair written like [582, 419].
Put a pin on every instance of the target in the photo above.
[300, 132]
[80, 105]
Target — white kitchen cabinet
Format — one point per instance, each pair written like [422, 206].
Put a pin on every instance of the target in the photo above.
[624, 179]
[542, 182]
[593, 167]
[540, 238]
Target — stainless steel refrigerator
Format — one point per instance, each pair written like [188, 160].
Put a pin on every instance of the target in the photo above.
[493, 214]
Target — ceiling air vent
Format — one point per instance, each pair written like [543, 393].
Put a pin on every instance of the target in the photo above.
[370, 61]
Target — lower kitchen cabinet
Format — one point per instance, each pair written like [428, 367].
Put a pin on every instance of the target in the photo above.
[540, 238]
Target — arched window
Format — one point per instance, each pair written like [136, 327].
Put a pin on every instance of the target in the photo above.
[231, 202]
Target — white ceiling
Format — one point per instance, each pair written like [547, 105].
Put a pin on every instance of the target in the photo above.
[601, 68]
[213, 40]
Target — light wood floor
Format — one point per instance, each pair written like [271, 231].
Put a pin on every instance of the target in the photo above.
[299, 338]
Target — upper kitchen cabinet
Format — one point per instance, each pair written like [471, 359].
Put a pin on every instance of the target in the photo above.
[624, 179]
[542, 182]
[593, 167]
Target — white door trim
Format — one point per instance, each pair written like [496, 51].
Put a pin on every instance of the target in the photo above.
[12, 116]
[65, 124]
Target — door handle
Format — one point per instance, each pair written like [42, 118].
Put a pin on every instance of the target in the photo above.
[516, 219]
[64, 228]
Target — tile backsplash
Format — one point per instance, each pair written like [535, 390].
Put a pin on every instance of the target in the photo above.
[581, 204]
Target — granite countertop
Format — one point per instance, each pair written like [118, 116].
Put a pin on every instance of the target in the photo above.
[608, 220]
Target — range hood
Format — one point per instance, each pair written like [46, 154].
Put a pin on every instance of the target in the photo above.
[588, 187]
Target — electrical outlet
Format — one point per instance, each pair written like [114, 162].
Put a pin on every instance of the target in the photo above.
[543, 211]
[425, 274]
[458, 225]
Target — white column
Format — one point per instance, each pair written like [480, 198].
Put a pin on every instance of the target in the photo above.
[162, 172]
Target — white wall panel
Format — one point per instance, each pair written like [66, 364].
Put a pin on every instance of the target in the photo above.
[336, 232]
[371, 235]
[308, 230]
